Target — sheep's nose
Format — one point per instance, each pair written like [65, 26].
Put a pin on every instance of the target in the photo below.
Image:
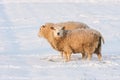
[58, 33]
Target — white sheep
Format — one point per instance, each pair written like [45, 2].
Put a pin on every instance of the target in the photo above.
[79, 25]
[85, 41]
[46, 32]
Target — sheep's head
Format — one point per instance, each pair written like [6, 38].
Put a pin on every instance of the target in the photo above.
[41, 31]
[58, 31]
[45, 30]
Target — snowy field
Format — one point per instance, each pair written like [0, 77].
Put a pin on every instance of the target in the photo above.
[25, 56]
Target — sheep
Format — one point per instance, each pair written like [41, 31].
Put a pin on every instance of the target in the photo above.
[78, 25]
[45, 30]
[85, 41]
[70, 25]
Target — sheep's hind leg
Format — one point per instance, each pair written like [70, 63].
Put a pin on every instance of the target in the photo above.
[99, 56]
[83, 56]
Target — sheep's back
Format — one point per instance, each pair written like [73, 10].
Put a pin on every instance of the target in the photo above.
[72, 25]
[78, 38]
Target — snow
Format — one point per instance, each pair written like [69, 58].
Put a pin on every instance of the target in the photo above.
[25, 56]
[60, 1]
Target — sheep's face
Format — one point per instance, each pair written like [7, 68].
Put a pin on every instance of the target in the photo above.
[41, 31]
[58, 31]
[45, 30]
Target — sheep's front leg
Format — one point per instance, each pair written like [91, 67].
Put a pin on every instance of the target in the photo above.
[89, 56]
[99, 56]
[83, 56]
[67, 56]
[61, 53]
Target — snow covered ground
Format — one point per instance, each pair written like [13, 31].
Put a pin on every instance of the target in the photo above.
[24, 56]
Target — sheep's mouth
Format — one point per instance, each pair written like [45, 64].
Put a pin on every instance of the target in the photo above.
[40, 35]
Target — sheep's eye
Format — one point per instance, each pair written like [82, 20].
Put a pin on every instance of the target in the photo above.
[52, 28]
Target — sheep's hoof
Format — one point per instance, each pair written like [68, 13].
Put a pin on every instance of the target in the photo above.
[83, 59]
[88, 59]
[66, 60]
[100, 59]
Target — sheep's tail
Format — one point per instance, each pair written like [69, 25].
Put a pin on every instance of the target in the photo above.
[101, 39]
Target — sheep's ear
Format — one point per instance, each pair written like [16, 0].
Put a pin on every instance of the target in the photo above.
[43, 26]
[52, 28]
[63, 28]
